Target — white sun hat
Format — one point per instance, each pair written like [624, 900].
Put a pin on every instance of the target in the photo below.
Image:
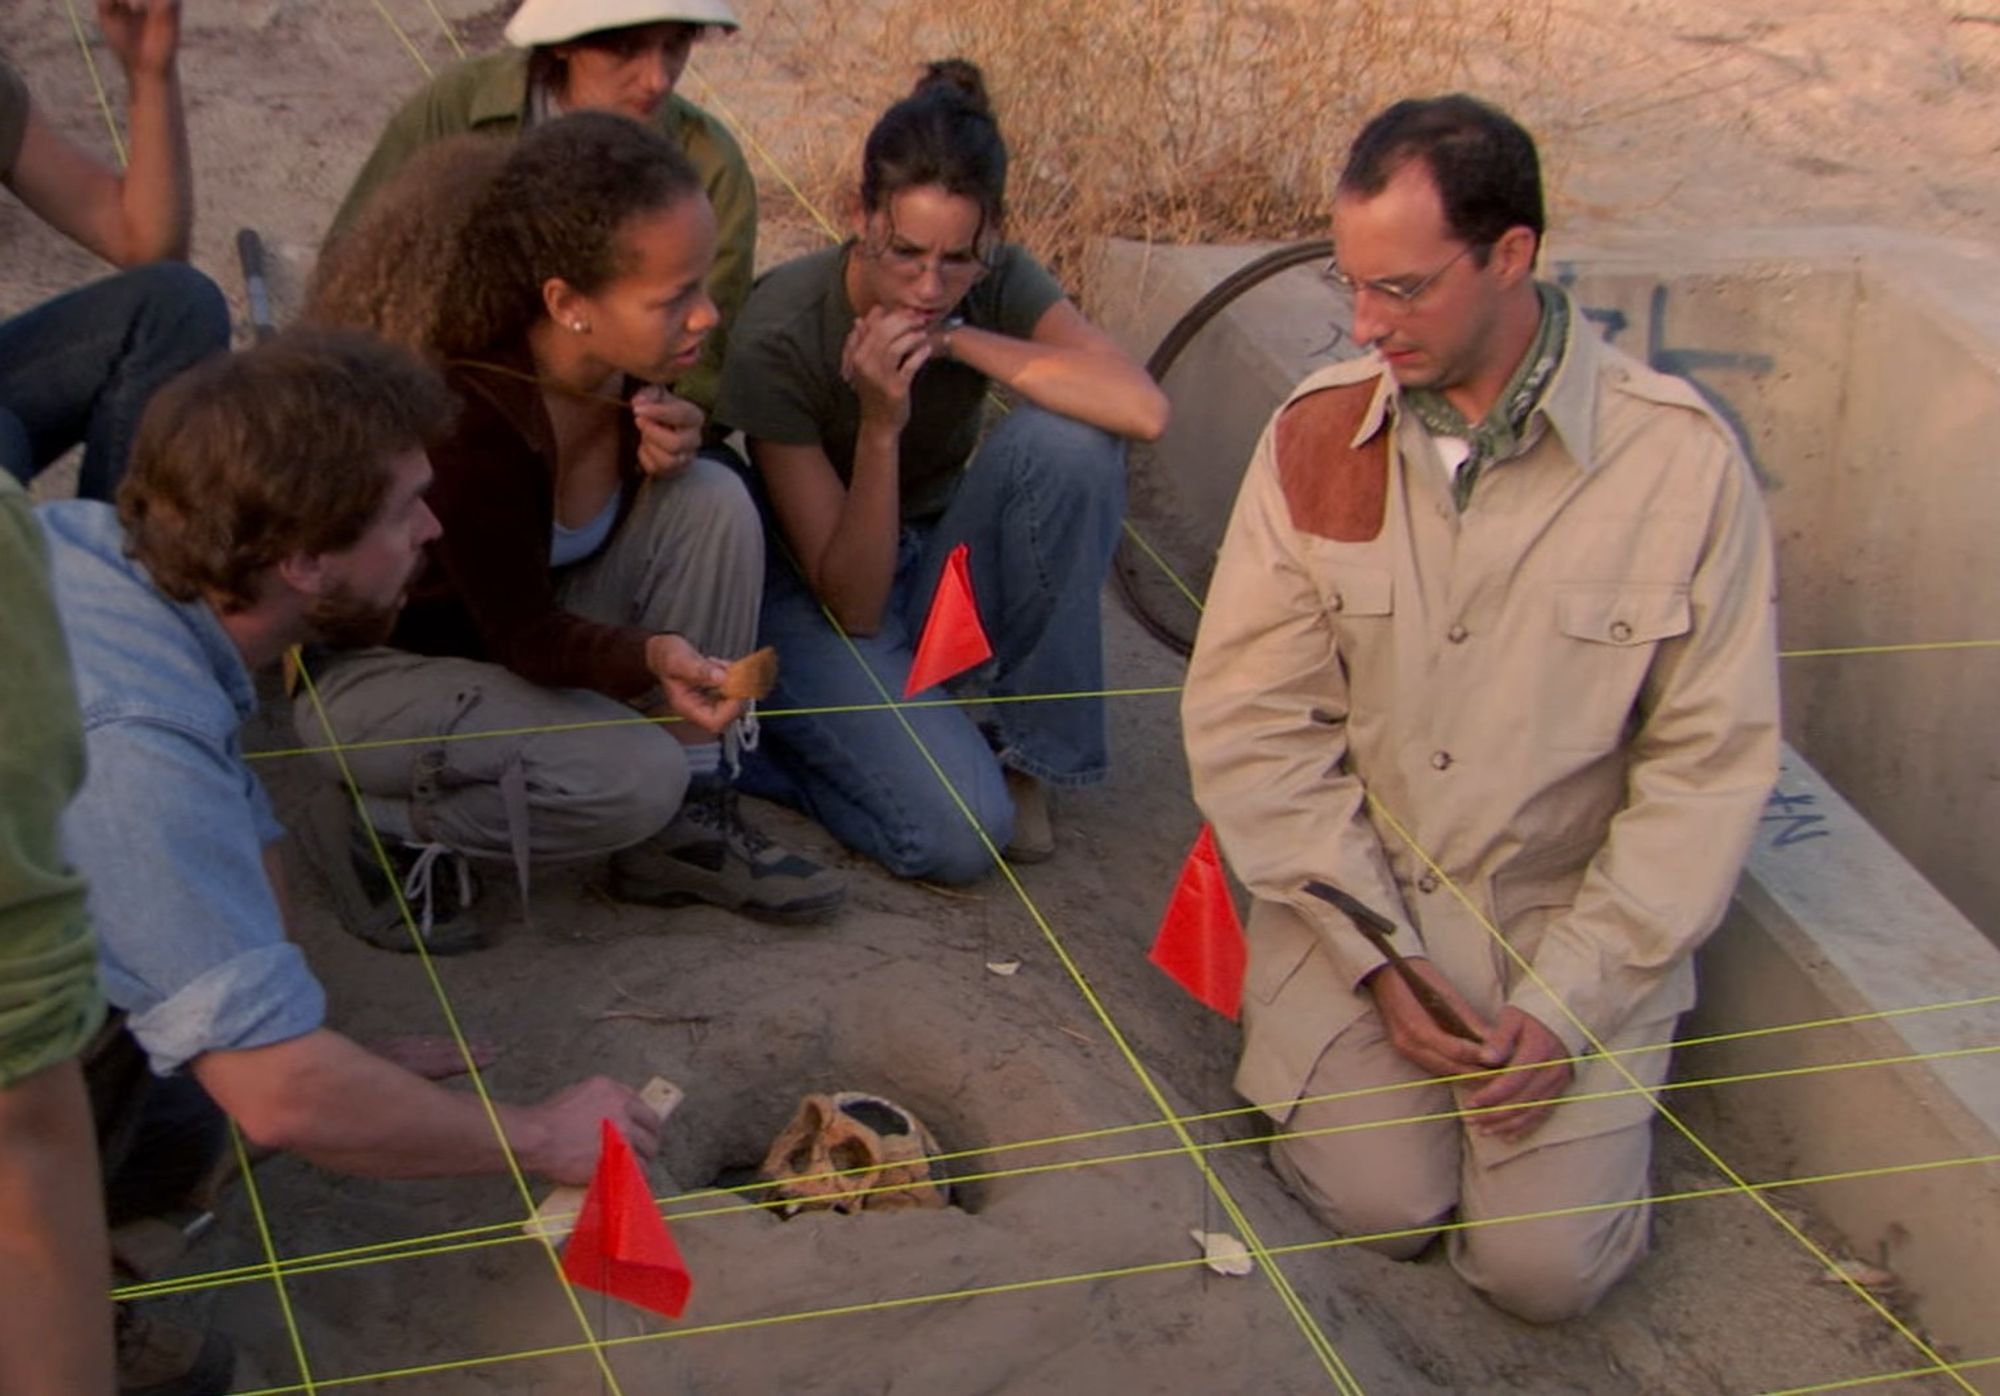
[540, 22]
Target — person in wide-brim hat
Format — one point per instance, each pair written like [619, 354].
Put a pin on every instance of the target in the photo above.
[626, 56]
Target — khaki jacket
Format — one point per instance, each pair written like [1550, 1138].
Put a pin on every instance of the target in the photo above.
[1567, 696]
[487, 94]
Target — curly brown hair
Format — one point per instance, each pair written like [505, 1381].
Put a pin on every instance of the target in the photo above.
[248, 459]
[555, 212]
[387, 272]
[451, 256]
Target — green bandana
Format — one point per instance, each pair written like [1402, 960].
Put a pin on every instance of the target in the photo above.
[1499, 436]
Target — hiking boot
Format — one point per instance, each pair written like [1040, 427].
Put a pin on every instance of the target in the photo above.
[1034, 838]
[157, 1358]
[438, 884]
[708, 854]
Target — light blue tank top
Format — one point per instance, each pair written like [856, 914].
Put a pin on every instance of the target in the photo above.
[575, 544]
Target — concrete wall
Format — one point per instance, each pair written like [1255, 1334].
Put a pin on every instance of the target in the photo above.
[1862, 370]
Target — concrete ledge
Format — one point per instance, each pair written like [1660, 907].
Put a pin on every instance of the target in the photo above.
[1831, 922]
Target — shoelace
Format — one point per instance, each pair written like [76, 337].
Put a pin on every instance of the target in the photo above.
[720, 811]
[418, 882]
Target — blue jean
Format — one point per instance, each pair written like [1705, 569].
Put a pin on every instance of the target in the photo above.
[83, 366]
[1040, 507]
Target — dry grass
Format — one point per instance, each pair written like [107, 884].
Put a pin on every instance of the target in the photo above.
[1164, 120]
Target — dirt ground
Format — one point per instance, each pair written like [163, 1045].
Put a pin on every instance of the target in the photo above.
[1700, 113]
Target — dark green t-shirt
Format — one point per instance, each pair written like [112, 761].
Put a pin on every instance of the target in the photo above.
[13, 117]
[49, 1000]
[782, 379]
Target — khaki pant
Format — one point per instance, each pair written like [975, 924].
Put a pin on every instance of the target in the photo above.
[689, 558]
[1399, 1182]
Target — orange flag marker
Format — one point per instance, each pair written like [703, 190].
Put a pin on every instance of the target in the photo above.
[620, 1245]
[1200, 943]
[953, 639]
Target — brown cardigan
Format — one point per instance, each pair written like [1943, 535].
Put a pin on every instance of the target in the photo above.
[488, 591]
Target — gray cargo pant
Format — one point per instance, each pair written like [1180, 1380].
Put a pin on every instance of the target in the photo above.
[551, 786]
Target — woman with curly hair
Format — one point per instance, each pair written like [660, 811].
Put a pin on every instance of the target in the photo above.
[591, 559]
[859, 375]
[624, 56]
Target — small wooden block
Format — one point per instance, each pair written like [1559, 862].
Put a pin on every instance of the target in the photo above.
[662, 1097]
[752, 676]
[556, 1217]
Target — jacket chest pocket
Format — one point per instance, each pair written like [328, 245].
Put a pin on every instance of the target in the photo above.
[1606, 636]
[1352, 593]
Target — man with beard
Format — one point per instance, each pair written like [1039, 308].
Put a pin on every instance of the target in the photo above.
[275, 497]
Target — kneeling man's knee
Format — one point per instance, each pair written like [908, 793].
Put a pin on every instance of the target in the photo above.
[1550, 1270]
[1394, 1214]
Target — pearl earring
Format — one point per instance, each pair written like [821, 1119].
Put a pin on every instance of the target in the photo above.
[578, 326]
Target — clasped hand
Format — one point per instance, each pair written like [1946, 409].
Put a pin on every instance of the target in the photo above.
[1530, 1063]
[669, 431]
[880, 360]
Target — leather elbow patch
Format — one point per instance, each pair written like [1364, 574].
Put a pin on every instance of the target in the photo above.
[1333, 488]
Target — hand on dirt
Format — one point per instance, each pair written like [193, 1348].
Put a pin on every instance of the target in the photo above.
[880, 360]
[1411, 1030]
[669, 431]
[1519, 1040]
[567, 1128]
[144, 34]
[692, 682]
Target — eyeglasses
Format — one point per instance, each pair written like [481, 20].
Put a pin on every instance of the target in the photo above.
[910, 264]
[1401, 299]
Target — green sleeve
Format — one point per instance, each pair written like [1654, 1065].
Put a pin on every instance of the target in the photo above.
[1020, 291]
[49, 998]
[774, 388]
[733, 192]
[13, 118]
[428, 116]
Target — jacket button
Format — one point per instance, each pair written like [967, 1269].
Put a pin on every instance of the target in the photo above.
[1440, 760]
[1427, 883]
[1338, 603]
[1620, 631]
[1457, 634]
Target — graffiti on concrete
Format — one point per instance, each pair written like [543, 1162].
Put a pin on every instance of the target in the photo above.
[1688, 363]
[1794, 826]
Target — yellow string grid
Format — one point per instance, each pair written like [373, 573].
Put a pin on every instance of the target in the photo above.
[276, 1269]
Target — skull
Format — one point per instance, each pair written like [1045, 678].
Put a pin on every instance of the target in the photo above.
[870, 1142]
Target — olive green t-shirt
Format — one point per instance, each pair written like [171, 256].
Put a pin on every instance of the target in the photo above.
[782, 379]
[13, 117]
[49, 998]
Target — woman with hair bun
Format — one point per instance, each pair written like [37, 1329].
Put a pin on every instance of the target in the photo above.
[860, 376]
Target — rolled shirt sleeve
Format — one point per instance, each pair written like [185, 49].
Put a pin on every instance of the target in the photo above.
[172, 828]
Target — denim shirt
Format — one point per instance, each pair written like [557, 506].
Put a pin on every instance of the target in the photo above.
[170, 825]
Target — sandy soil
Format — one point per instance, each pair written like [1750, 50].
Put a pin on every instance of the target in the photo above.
[1705, 113]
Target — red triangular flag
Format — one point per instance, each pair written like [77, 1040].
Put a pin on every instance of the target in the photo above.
[1200, 941]
[620, 1244]
[953, 639]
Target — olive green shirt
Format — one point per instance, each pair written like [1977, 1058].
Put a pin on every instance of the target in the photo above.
[49, 999]
[489, 95]
[784, 385]
[13, 118]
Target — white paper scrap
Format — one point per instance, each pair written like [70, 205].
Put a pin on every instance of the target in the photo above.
[1225, 1254]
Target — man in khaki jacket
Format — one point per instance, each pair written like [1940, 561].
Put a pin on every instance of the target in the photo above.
[1491, 647]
